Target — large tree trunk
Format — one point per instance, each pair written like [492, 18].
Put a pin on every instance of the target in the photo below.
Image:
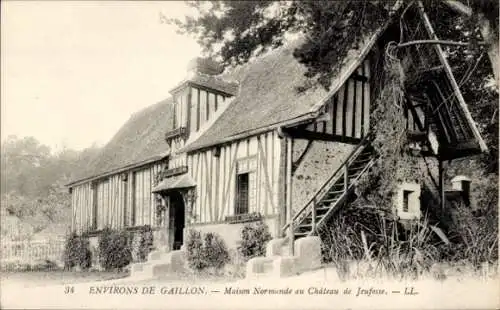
[491, 38]
[487, 31]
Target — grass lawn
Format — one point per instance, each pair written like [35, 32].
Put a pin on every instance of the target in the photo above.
[41, 278]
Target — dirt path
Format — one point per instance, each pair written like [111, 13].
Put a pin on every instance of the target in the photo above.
[318, 289]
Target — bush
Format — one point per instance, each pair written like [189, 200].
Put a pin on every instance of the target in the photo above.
[194, 247]
[212, 253]
[145, 243]
[215, 251]
[44, 265]
[77, 252]
[254, 237]
[15, 266]
[114, 250]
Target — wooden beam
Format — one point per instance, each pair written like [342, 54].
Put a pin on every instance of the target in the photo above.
[320, 136]
[289, 214]
[282, 188]
[441, 184]
[416, 135]
[453, 82]
[358, 77]
[297, 162]
[414, 113]
[463, 149]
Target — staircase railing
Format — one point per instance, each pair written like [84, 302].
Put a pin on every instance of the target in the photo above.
[344, 194]
[342, 171]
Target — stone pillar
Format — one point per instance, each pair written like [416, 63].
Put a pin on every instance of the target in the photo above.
[308, 252]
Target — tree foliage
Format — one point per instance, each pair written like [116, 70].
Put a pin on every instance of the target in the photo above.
[234, 31]
[33, 180]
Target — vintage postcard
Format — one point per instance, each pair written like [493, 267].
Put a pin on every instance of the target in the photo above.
[249, 154]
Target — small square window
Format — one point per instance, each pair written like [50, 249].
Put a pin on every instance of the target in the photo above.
[407, 203]
[406, 200]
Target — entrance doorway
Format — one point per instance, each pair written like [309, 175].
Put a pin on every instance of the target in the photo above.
[177, 219]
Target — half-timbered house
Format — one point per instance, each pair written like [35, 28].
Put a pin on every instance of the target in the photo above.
[228, 147]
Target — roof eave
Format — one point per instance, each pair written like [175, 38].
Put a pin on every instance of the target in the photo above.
[305, 118]
[116, 171]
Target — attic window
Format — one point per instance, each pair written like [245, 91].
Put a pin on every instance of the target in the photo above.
[407, 201]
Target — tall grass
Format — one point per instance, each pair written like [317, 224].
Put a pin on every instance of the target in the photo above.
[363, 241]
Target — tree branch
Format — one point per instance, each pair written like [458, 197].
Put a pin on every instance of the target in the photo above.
[459, 7]
[441, 42]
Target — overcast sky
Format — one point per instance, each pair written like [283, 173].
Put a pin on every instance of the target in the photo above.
[74, 72]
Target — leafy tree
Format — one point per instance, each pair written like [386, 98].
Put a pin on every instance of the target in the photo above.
[234, 31]
[33, 180]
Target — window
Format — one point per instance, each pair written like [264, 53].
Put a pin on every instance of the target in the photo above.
[100, 193]
[125, 197]
[242, 194]
[407, 203]
[141, 197]
[134, 199]
[94, 206]
[406, 197]
[246, 185]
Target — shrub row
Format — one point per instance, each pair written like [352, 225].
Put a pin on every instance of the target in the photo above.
[77, 252]
[115, 248]
[210, 251]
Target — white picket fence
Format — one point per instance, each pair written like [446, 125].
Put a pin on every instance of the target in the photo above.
[32, 250]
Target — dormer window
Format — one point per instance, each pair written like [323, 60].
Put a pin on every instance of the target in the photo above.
[200, 95]
[174, 133]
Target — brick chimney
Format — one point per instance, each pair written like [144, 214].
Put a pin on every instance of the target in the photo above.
[462, 183]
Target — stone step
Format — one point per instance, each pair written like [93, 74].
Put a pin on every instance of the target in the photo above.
[137, 269]
[159, 263]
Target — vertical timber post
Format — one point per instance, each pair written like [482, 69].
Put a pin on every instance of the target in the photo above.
[289, 147]
[346, 176]
[282, 187]
[441, 183]
[313, 223]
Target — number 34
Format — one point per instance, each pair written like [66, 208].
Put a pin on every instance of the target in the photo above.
[69, 290]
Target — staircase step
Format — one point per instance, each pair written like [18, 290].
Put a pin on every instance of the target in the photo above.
[336, 192]
[326, 208]
[308, 220]
[330, 201]
[300, 234]
[363, 159]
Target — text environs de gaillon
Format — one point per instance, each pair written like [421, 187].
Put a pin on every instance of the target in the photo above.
[138, 290]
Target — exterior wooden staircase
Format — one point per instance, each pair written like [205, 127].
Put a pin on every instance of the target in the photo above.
[333, 193]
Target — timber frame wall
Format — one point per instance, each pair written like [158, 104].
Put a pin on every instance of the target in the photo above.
[120, 200]
[215, 171]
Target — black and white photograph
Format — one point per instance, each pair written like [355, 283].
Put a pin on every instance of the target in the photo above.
[294, 154]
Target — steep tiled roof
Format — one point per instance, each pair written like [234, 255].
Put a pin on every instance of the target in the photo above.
[141, 139]
[268, 94]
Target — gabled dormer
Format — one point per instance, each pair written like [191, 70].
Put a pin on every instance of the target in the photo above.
[198, 97]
